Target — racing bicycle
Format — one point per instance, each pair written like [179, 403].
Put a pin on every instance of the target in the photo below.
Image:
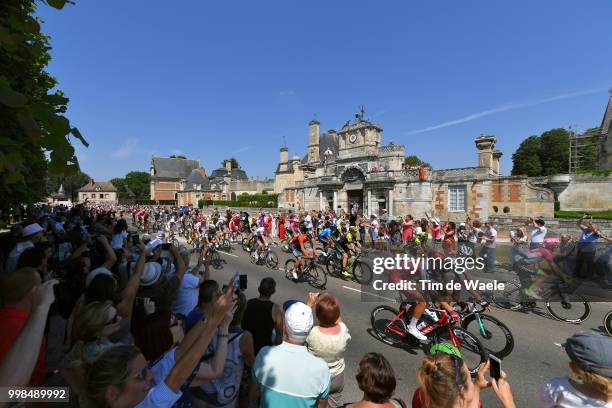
[313, 273]
[391, 327]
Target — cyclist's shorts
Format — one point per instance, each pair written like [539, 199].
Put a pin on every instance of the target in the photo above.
[260, 238]
[324, 240]
[344, 248]
[296, 252]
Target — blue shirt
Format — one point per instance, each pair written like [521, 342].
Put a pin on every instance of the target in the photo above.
[282, 385]
[587, 240]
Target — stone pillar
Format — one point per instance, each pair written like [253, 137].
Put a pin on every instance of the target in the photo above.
[497, 154]
[390, 203]
[321, 206]
[485, 145]
[335, 201]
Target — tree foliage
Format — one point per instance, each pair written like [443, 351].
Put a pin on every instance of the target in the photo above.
[177, 156]
[548, 154]
[414, 161]
[31, 115]
[137, 182]
[71, 183]
[233, 161]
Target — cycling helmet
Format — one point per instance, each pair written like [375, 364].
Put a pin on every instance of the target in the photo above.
[446, 348]
[303, 228]
[353, 228]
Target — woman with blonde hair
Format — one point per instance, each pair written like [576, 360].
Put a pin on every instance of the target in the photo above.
[95, 322]
[445, 382]
[590, 381]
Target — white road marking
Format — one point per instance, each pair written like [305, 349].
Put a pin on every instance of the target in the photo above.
[227, 253]
[368, 293]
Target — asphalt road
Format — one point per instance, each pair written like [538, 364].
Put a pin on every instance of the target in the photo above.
[536, 358]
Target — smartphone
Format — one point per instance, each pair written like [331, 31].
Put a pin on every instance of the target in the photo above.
[494, 367]
[240, 281]
[164, 254]
[166, 246]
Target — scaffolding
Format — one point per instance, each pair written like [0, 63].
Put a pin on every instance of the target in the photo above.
[583, 150]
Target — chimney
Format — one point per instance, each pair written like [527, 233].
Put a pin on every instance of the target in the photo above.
[485, 145]
[91, 182]
[497, 154]
[284, 157]
[228, 165]
[313, 141]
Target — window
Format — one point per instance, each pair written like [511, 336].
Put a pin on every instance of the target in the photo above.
[93, 195]
[456, 198]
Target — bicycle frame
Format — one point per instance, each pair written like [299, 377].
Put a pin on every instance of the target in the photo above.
[442, 322]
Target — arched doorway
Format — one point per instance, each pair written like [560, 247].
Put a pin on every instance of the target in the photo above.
[353, 178]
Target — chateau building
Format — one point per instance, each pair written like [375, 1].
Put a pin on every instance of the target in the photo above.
[605, 131]
[224, 183]
[98, 192]
[351, 167]
[166, 175]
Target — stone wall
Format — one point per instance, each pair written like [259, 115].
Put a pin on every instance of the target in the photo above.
[556, 226]
[587, 192]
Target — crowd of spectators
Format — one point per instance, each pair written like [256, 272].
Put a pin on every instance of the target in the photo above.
[142, 328]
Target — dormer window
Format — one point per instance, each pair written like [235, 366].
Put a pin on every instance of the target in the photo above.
[97, 188]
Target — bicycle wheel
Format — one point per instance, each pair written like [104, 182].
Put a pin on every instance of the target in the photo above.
[316, 276]
[272, 259]
[215, 260]
[289, 266]
[511, 297]
[284, 244]
[388, 328]
[608, 323]
[472, 350]
[568, 307]
[333, 265]
[494, 335]
[246, 245]
[362, 272]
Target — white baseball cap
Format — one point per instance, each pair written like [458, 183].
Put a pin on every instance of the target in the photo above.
[31, 230]
[152, 245]
[151, 274]
[299, 320]
[98, 271]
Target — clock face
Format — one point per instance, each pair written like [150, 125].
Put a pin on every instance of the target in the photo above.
[352, 137]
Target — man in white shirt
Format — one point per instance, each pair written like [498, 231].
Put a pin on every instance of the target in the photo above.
[488, 246]
[537, 234]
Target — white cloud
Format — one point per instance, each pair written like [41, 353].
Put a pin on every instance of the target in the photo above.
[127, 149]
[504, 108]
[242, 149]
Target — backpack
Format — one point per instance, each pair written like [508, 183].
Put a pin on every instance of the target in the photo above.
[223, 390]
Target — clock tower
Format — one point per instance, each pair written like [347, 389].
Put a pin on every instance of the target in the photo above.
[359, 138]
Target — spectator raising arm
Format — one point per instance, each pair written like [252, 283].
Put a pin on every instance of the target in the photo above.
[111, 258]
[188, 359]
[125, 307]
[18, 364]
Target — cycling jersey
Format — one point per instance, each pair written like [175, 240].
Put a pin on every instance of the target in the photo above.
[259, 231]
[324, 235]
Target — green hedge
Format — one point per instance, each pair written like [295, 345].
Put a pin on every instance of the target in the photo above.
[155, 202]
[600, 215]
[257, 197]
[236, 203]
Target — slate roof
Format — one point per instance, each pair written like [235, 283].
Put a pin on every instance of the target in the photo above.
[105, 186]
[195, 178]
[326, 141]
[236, 174]
[167, 167]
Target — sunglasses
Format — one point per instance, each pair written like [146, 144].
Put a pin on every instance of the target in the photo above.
[142, 374]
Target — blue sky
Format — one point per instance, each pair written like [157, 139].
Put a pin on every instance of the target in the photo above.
[213, 79]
